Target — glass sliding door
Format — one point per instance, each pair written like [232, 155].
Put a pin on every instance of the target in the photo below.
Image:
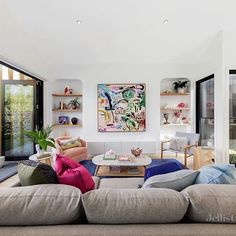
[18, 115]
[232, 116]
[21, 109]
[205, 110]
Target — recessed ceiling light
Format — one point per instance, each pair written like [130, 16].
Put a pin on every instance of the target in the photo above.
[78, 22]
[166, 21]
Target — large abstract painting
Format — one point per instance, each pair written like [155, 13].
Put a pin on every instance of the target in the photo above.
[121, 107]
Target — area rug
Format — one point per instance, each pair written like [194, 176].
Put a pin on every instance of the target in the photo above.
[88, 164]
[8, 170]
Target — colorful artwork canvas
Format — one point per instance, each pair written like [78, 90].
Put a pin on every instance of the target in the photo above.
[121, 107]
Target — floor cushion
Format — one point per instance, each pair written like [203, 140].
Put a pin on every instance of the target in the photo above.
[163, 167]
[72, 173]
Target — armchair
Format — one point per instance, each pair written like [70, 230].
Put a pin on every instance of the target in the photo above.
[75, 153]
[187, 150]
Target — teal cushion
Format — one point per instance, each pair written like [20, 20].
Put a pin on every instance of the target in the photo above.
[177, 180]
[217, 174]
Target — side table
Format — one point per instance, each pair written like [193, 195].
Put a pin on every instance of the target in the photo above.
[202, 156]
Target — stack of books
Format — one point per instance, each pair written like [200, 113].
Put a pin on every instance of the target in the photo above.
[115, 169]
[109, 157]
[133, 170]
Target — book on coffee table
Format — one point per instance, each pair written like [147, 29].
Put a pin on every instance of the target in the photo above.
[114, 169]
[109, 157]
[133, 170]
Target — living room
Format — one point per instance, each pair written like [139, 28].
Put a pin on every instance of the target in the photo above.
[73, 50]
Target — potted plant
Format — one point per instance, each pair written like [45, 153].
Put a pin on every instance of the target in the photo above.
[74, 103]
[41, 138]
[180, 86]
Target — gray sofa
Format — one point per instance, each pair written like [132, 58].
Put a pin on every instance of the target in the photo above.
[117, 207]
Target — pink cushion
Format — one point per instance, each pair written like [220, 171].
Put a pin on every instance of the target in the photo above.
[72, 173]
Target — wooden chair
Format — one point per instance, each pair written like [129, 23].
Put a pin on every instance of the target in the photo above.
[187, 150]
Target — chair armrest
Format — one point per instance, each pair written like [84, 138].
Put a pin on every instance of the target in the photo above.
[165, 141]
[190, 146]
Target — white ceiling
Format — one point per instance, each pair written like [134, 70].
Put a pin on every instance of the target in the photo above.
[37, 33]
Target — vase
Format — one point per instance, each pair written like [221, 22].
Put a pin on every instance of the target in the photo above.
[181, 90]
[178, 121]
[74, 120]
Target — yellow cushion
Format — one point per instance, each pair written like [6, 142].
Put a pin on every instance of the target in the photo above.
[70, 143]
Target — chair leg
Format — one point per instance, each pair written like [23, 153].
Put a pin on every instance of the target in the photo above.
[185, 157]
[161, 151]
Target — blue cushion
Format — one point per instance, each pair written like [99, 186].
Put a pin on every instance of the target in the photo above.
[163, 167]
[177, 180]
[217, 174]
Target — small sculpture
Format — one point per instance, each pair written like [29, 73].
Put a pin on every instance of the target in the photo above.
[136, 151]
[166, 116]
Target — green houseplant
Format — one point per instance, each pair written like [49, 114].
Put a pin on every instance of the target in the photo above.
[74, 103]
[41, 138]
[180, 86]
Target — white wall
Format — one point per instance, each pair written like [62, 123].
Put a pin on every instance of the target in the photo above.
[91, 75]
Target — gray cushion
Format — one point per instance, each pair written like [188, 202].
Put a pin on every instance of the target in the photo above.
[212, 203]
[177, 180]
[127, 206]
[178, 143]
[40, 205]
[120, 183]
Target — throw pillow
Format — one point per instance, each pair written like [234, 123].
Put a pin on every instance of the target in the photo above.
[163, 167]
[178, 143]
[33, 172]
[72, 173]
[70, 143]
[177, 180]
[217, 174]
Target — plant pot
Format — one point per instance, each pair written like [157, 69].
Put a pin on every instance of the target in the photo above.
[74, 120]
[181, 90]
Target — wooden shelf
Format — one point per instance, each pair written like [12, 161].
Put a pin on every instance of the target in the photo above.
[167, 109]
[66, 95]
[174, 94]
[174, 124]
[66, 110]
[69, 125]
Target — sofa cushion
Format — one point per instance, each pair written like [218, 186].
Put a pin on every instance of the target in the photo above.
[211, 203]
[46, 204]
[163, 167]
[128, 206]
[177, 180]
[117, 183]
[70, 143]
[72, 173]
[217, 174]
[33, 172]
[178, 143]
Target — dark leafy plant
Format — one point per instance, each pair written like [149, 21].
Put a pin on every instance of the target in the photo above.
[180, 84]
[74, 103]
[41, 137]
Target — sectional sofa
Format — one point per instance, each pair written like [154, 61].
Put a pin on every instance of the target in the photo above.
[117, 207]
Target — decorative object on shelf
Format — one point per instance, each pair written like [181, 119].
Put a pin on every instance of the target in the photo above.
[166, 117]
[136, 151]
[121, 107]
[70, 91]
[185, 120]
[180, 86]
[63, 120]
[167, 91]
[41, 139]
[177, 117]
[67, 90]
[74, 120]
[181, 105]
[74, 103]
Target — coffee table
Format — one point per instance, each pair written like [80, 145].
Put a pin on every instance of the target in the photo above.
[103, 166]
